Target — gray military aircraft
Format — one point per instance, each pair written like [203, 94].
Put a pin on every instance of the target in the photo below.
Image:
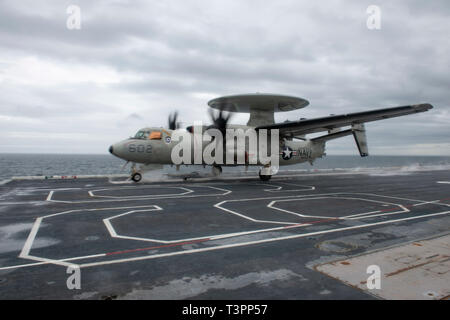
[154, 145]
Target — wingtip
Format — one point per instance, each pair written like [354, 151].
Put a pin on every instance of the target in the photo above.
[423, 106]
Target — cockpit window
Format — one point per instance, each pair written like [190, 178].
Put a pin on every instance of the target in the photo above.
[141, 134]
[152, 135]
[155, 135]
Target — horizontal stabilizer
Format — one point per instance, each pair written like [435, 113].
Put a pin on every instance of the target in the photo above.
[332, 136]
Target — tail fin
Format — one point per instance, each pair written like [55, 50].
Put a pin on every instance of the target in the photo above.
[359, 133]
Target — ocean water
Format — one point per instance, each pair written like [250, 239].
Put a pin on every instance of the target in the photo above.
[71, 164]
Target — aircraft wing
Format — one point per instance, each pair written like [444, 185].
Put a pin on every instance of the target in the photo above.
[301, 127]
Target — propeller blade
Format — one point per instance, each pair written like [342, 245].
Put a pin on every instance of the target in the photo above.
[173, 120]
[220, 121]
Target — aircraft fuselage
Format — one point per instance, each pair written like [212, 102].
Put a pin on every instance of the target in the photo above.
[159, 150]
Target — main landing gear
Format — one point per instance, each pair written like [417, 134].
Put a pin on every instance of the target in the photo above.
[216, 171]
[264, 177]
[265, 173]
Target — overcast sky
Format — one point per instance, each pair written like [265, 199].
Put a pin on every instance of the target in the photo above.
[133, 62]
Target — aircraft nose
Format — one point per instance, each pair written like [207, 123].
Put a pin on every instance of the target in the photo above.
[119, 149]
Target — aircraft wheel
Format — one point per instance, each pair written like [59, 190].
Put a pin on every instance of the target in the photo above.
[264, 177]
[217, 170]
[136, 177]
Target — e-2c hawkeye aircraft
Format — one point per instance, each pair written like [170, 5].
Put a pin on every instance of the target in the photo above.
[154, 145]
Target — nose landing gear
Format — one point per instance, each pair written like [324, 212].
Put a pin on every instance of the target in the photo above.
[136, 177]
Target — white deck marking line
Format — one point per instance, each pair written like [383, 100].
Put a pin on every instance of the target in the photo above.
[25, 253]
[41, 189]
[95, 209]
[114, 234]
[244, 233]
[283, 210]
[290, 226]
[415, 200]
[234, 245]
[361, 214]
[225, 192]
[280, 188]
[86, 265]
[32, 235]
[49, 197]
[352, 217]
[23, 265]
[443, 182]
[3, 182]
[50, 261]
[59, 189]
[187, 191]
[220, 189]
[380, 214]
[299, 197]
[27, 246]
[22, 202]
[110, 228]
[270, 205]
[428, 202]
[63, 262]
[311, 195]
[218, 205]
[308, 188]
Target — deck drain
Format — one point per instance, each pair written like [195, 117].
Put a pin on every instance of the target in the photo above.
[431, 294]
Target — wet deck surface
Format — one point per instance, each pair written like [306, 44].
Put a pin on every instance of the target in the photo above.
[219, 239]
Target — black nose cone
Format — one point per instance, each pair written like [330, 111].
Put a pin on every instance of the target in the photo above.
[111, 149]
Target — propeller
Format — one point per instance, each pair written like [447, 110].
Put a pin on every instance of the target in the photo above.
[220, 121]
[173, 120]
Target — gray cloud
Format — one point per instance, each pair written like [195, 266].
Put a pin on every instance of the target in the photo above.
[133, 62]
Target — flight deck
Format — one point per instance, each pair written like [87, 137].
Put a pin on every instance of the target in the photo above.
[297, 236]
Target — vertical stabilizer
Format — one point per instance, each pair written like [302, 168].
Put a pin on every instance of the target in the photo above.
[359, 133]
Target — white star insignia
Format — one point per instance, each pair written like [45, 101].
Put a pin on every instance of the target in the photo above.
[287, 153]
